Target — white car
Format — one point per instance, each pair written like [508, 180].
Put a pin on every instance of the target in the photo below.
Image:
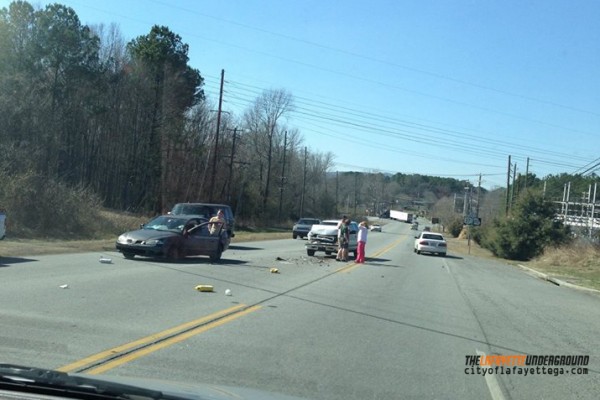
[431, 242]
[375, 228]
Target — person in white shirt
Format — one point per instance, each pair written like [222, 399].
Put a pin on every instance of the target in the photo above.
[363, 230]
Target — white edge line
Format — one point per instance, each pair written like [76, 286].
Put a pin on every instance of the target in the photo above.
[492, 383]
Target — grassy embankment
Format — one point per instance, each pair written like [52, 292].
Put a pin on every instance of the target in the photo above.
[113, 224]
[576, 264]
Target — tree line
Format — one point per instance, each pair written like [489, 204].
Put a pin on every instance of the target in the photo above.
[130, 121]
[127, 125]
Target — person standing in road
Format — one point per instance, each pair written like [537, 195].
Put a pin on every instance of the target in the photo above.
[363, 230]
[343, 239]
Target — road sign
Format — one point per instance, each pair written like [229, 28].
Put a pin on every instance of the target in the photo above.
[471, 220]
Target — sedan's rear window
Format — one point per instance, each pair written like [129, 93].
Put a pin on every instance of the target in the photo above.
[194, 209]
[308, 221]
[433, 237]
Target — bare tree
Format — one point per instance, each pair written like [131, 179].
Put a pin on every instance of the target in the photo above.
[264, 120]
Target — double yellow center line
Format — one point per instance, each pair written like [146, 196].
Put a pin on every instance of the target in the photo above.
[112, 358]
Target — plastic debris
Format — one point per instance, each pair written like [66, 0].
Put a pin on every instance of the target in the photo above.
[280, 259]
[105, 260]
[65, 286]
[204, 288]
[274, 271]
[227, 292]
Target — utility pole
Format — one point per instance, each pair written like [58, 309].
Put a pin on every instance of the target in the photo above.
[544, 190]
[269, 162]
[337, 188]
[526, 173]
[355, 190]
[303, 185]
[282, 176]
[478, 194]
[568, 199]
[593, 209]
[215, 154]
[231, 165]
[512, 192]
[508, 186]
[465, 202]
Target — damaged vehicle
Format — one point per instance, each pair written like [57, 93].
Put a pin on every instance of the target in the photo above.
[324, 237]
[174, 237]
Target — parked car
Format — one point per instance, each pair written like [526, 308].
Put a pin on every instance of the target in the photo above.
[175, 236]
[303, 226]
[323, 237]
[375, 228]
[206, 210]
[429, 242]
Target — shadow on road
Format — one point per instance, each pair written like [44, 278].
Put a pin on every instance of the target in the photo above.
[435, 255]
[376, 259]
[235, 247]
[191, 260]
[8, 261]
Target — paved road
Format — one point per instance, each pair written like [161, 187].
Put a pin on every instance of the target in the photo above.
[399, 326]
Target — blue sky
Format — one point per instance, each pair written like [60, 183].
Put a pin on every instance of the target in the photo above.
[445, 88]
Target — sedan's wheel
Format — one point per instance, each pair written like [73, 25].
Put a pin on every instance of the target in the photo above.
[310, 252]
[418, 251]
[414, 250]
[216, 256]
[129, 256]
[294, 236]
[173, 253]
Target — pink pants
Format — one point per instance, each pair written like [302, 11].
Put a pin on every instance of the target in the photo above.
[360, 252]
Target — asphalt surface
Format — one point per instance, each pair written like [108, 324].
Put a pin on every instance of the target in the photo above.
[399, 326]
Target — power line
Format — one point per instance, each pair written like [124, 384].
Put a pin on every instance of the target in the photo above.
[380, 61]
[343, 119]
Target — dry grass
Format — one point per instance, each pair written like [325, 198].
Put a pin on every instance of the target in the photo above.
[458, 246]
[578, 264]
[33, 247]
